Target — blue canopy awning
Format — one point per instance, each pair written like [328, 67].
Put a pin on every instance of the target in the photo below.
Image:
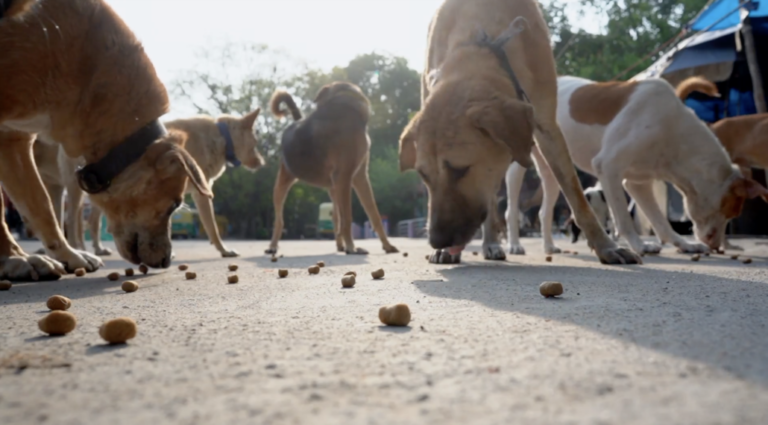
[728, 11]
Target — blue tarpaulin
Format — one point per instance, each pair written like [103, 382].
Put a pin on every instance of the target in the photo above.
[730, 10]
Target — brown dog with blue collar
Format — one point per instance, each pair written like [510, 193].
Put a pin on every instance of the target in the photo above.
[74, 74]
[483, 57]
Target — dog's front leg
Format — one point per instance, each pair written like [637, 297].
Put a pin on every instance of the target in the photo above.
[205, 208]
[551, 141]
[283, 184]
[492, 249]
[514, 179]
[547, 211]
[642, 193]
[94, 224]
[22, 182]
[342, 194]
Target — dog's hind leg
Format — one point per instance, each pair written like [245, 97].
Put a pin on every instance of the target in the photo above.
[205, 209]
[335, 220]
[550, 139]
[547, 211]
[514, 178]
[642, 193]
[94, 224]
[342, 194]
[283, 184]
[364, 192]
[22, 182]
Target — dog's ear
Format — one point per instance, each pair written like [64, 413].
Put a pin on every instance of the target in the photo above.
[322, 94]
[408, 144]
[509, 122]
[250, 119]
[748, 188]
[175, 159]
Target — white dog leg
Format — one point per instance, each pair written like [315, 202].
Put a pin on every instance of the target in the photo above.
[514, 180]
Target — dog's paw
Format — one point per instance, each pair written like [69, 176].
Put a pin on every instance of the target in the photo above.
[229, 253]
[103, 252]
[692, 247]
[271, 251]
[357, 251]
[494, 252]
[389, 249]
[74, 260]
[549, 250]
[340, 248]
[443, 257]
[516, 249]
[616, 255]
[31, 268]
[651, 248]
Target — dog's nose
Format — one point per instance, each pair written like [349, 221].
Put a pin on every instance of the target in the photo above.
[440, 240]
[166, 262]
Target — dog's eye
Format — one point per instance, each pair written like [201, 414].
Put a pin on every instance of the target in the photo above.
[456, 173]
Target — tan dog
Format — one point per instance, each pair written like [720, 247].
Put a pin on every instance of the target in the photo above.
[74, 74]
[329, 149]
[213, 143]
[474, 122]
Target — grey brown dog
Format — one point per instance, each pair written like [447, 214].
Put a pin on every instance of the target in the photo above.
[329, 149]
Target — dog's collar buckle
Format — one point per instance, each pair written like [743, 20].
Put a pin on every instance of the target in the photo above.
[497, 48]
[230, 145]
[97, 177]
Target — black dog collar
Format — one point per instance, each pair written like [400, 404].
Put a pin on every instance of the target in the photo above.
[230, 145]
[4, 6]
[497, 47]
[97, 177]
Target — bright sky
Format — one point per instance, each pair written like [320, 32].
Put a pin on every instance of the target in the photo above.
[324, 33]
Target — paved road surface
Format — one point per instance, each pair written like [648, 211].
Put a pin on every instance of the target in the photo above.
[670, 342]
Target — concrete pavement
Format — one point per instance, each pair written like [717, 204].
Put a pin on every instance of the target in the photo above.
[669, 342]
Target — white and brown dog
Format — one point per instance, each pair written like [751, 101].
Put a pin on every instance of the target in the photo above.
[638, 132]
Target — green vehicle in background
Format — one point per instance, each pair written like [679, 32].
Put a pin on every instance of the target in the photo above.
[325, 221]
[185, 224]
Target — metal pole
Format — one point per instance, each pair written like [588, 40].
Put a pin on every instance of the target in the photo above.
[754, 66]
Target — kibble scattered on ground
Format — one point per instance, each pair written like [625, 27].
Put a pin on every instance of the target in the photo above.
[190, 275]
[59, 302]
[130, 286]
[348, 281]
[113, 276]
[378, 274]
[282, 273]
[118, 331]
[551, 289]
[232, 279]
[80, 272]
[395, 315]
[58, 323]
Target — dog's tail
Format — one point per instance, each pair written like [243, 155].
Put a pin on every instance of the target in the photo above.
[282, 97]
[700, 84]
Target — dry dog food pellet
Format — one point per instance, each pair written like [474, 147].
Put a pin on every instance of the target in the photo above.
[183, 267]
[378, 274]
[282, 273]
[405, 254]
[59, 302]
[118, 331]
[113, 276]
[747, 261]
[233, 279]
[566, 251]
[130, 286]
[575, 252]
[143, 269]
[551, 289]
[129, 272]
[5, 285]
[474, 252]
[549, 258]
[395, 315]
[348, 281]
[58, 323]
[350, 274]
[706, 254]
[233, 267]
[321, 264]
[80, 272]
[696, 257]
[426, 257]
[274, 259]
[734, 257]
[191, 275]
[314, 270]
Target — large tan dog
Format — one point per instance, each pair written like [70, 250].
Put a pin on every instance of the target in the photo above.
[474, 122]
[74, 74]
[214, 144]
[330, 149]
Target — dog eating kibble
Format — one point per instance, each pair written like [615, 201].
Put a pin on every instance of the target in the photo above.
[348, 281]
[395, 315]
[58, 323]
[59, 302]
[130, 286]
[118, 331]
[378, 274]
[551, 289]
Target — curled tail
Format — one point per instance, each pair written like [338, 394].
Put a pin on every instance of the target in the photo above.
[276, 104]
[700, 84]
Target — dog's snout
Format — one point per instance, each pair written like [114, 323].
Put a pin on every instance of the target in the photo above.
[440, 240]
[166, 262]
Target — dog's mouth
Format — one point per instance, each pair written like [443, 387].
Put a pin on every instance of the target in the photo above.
[456, 250]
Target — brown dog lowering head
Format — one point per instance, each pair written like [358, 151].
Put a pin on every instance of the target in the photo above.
[97, 90]
[462, 143]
